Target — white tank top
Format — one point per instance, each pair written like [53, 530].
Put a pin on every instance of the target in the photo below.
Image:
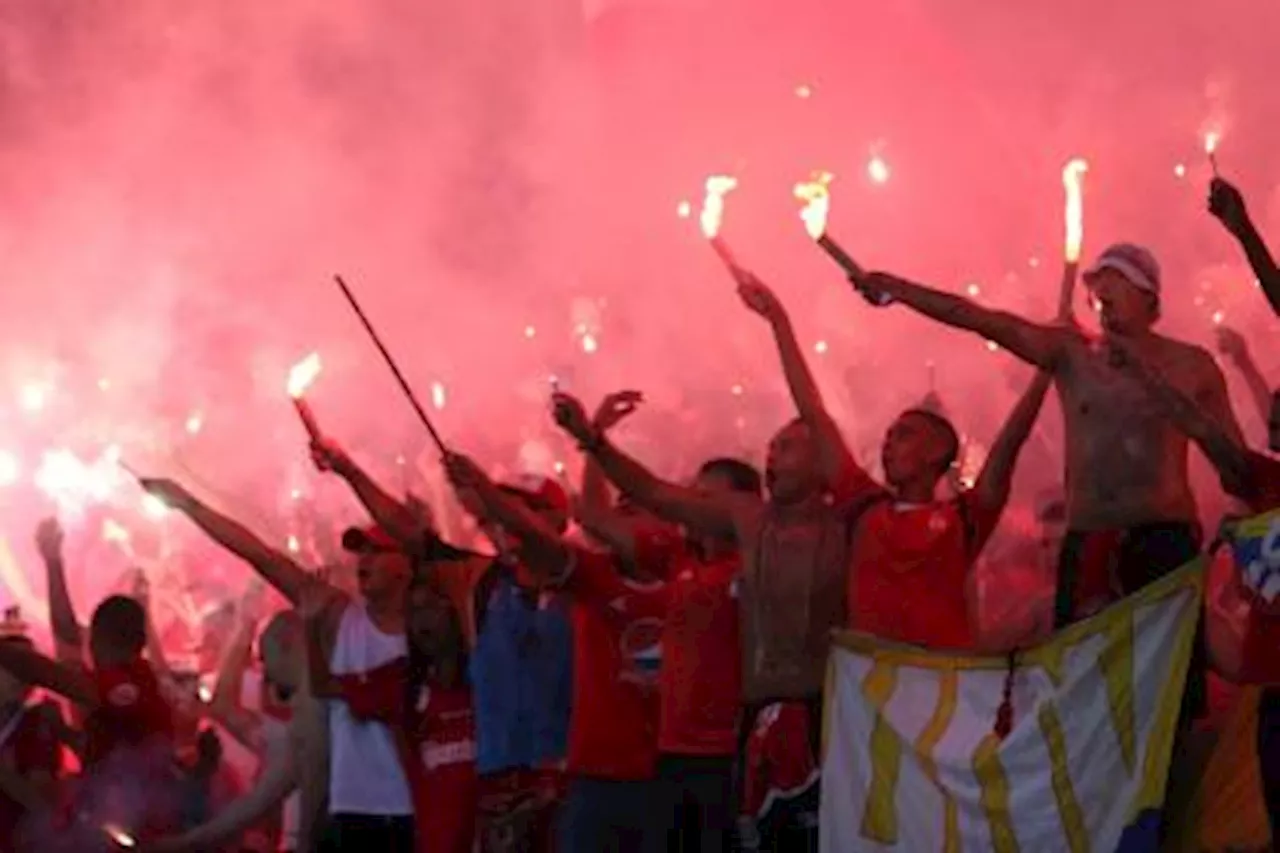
[365, 774]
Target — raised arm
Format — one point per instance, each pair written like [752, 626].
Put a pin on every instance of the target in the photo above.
[702, 513]
[279, 776]
[595, 509]
[1040, 345]
[393, 516]
[26, 664]
[540, 545]
[836, 460]
[225, 706]
[275, 567]
[994, 482]
[68, 636]
[1227, 204]
[1233, 345]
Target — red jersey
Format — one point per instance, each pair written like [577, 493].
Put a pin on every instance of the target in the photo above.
[617, 652]
[909, 568]
[28, 745]
[700, 674]
[130, 709]
[437, 745]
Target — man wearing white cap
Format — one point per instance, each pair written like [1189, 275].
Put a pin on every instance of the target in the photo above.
[1131, 513]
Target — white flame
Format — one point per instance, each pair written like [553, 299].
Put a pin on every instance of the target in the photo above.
[33, 396]
[154, 507]
[195, 423]
[718, 186]
[71, 483]
[1073, 182]
[438, 395]
[878, 170]
[303, 374]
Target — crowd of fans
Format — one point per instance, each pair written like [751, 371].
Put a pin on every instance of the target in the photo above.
[639, 666]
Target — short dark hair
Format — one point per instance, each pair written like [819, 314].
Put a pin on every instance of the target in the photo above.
[122, 620]
[742, 476]
[951, 438]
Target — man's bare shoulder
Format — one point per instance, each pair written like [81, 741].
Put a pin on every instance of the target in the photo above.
[1189, 364]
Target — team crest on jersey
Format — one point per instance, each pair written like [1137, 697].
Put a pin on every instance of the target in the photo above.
[642, 649]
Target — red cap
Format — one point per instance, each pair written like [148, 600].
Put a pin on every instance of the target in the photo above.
[541, 492]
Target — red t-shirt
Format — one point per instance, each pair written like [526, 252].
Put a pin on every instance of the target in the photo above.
[908, 571]
[437, 747]
[28, 745]
[130, 710]
[700, 676]
[617, 652]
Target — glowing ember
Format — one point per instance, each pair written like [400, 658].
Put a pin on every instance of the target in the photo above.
[804, 92]
[973, 289]
[1180, 171]
[820, 347]
[118, 835]
[530, 332]
[1073, 183]
[205, 694]
[10, 471]
[816, 195]
[293, 545]
[154, 507]
[718, 186]
[992, 346]
[684, 210]
[33, 397]
[195, 423]
[437, 395]
[1218, 317]
[114, 531]
[878, 170]
[1211, 140]
[303, 374]
[590, 344]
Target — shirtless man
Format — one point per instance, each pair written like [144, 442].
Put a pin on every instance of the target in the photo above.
[1130, 511]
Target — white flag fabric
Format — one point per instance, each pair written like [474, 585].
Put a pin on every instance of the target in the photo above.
[912, 763]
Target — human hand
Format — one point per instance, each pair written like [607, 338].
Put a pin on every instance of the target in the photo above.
[615, 408]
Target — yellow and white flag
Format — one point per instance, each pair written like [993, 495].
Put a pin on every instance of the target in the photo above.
[912, 764]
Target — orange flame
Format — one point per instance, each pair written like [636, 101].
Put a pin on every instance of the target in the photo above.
[303, 374]
[1073, 183]
[816, 195]
[718, 186]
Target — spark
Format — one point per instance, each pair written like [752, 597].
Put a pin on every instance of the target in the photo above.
[195, 423]
[530, 332]
[684, 210]
[437, 395]
[878, 170]
[10, 470]
[736, 390]
[1180, 171]
[590, 344]
[804, 92]
[153, 507]
[973, 289]
[820, 347]
[293, 545]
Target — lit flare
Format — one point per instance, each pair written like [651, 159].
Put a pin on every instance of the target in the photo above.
[303, 374]
[1073, 182]
[816, 195]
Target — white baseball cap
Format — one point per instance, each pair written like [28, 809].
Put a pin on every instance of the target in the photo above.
[1133, 262]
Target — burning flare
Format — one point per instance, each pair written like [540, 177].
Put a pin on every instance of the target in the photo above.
[119, 836]
[303, 374]
[1073, 182]
[1211, 140]
[816, 195]
[718, 186]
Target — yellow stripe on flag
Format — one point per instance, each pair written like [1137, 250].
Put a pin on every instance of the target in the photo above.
[994, 787]
[1116, 663]
[880, 818]
[939, 722]
[1073, 825]
[1155, 771]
